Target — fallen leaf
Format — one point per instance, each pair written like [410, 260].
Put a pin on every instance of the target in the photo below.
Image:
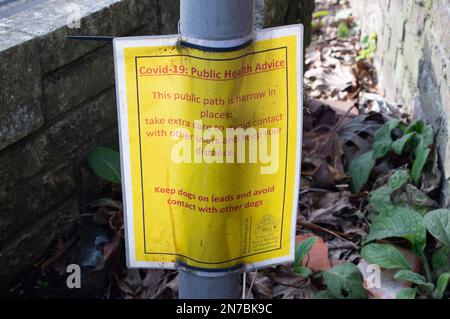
[288, 285]
[152, 281]
[327, 206]
[341, 78]
[317, 259]
[59, 260]
[343, 107]
[262, 285]
[123, 286]
[173, 284]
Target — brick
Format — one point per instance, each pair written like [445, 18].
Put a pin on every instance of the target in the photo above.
[21, 252]
[76, 83]
[59, 141]
[30, 199]
[83, 124]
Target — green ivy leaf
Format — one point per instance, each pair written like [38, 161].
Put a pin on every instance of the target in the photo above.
[417, 200]
[438, 224]
[343, 31]
[385, 256]
[359, 171]
[441, 260]
[417, 127]
[105, 163]
[399, 222]
[399, 144]
[399, 179]
[304, 272]
[382, 141]
[428, 136]
[345, 282]
[421, 158]
[383, 138]
[415, 278]
[442, 284]
[320, 14]
[407, 293]
[302, 250]
[380, 199]
[325, 295]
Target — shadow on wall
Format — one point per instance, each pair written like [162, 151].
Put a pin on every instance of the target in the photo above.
[428, 106]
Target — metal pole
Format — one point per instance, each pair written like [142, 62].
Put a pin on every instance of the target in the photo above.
[217, 20]
[228, 23]
[195, 284]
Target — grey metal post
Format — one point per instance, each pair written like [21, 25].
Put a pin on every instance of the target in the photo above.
[228, 23]
[217, 20]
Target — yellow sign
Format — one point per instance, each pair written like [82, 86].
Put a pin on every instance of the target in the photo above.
[210, 146]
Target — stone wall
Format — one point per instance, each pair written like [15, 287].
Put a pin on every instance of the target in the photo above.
[57, 102]
[413, 57]
[282, 12]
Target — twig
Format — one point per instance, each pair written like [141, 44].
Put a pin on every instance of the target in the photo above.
[252, 283]
[314, 190]
[285, 284]
[320, 228]
[244, 279]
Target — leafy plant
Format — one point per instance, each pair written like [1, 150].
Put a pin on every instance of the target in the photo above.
[415, 140]
[343, 31]
[441, 260]
[392, 220]
[321, 14]
[360, 169]
[442, 284]
[415, 278]
[407, 293]
[318, 16]
[105, 163]
[369, 46]
[438, 224]
[393, 217]
[399, 179]
[399, 222]
[386, 256]
[343, 282]
[301, 251]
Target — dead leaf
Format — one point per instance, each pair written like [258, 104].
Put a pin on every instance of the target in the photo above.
[59, 260]
[341, 78]
[371, 102]
[173, 284]
[317, 259]
[326, 207]
[288, 285]
[343, 107]
[153, 281]
[357, 134]
[109, 249]
[262, 285]
[129, 293]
